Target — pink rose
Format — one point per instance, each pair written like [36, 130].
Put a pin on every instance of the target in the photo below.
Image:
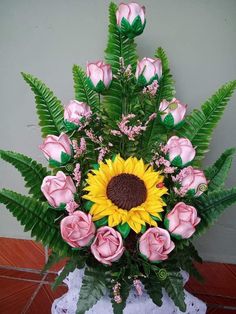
[148, 70]
[75, 111]
[180, 151]
[182, 219]
[54, 146]
[192, 180]
[58, 189]
[155, 244]
[173, 112]
[77, 229]
[107, 247]
[99, 75]
[129, 12]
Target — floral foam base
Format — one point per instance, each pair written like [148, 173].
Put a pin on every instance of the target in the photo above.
[135, 304]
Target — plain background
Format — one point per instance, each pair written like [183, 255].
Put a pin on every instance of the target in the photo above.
[46, 37]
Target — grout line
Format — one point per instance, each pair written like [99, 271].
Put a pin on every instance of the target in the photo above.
[27, 270]
[28, 304]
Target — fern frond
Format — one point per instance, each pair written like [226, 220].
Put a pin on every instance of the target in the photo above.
[211, 206]
[118, 46]
[82, 91]
[32, 172]
[218, 173]
[49, 108]
[36, 217]
[200, 124]
[166, 89]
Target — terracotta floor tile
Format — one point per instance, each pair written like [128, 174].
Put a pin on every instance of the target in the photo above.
[217, 300]
[14, 295]
[21, 253]
[219, 280]
[220, 311]
[44, 299]
[20, 274]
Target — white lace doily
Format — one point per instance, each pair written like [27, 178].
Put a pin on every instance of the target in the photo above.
[135, 304]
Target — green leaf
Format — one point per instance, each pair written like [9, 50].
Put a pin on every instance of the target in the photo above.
[49, 108]
[210, 206]
[69, 267]
[154, 288]
[174, 287]
[200, 124]
[92, 289]
[124, 229]
[166, 89]
[36, 217]
[82, 91]
[53, 258]
[32, 172]
[118, 46]
[218, 173]
[101, 222]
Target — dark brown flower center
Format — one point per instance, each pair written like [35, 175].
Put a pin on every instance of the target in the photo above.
[126, 191]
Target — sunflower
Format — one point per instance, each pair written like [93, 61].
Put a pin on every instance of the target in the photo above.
[126, 191]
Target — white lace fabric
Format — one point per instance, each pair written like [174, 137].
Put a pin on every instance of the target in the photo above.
[135, 304]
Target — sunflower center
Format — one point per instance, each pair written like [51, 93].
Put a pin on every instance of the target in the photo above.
[126, 191]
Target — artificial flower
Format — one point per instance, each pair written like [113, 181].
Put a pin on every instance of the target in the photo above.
[107, 246]
[172, 112]
[75, 111]
[125, 191]
[182, 220]
[99, 76]
[148, 70]
[155, 244]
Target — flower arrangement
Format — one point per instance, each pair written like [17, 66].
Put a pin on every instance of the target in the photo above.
[125, 194]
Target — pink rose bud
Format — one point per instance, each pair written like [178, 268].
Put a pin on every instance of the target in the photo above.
[193, 181]
[148, 70]
[130, 18]
[182, 220]
[75, 111]
[99, 76]
[77, 229]
[180, 151]
[172, 113]
[57, 149]
[107, 247]
[58, 189]
[155, 244]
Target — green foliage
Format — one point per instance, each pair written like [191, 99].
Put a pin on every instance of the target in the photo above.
[124, 293]
[92, 289]
[53, 258]
[69, 267]
[82, 91]
[217, 174]
[36, 217]
[49, 108]
[174, 287]
[166, 88]
[200, 124]
[32, 172]
[210, 206]
[154, 288]
[118, 46]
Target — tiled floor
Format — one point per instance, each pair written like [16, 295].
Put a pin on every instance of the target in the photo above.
[24, 290]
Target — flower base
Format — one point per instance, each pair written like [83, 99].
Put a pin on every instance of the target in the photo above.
[135, 304]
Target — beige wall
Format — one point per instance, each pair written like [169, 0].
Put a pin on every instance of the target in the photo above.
[46, 37]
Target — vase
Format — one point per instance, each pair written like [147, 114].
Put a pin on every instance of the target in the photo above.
[135, 304]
